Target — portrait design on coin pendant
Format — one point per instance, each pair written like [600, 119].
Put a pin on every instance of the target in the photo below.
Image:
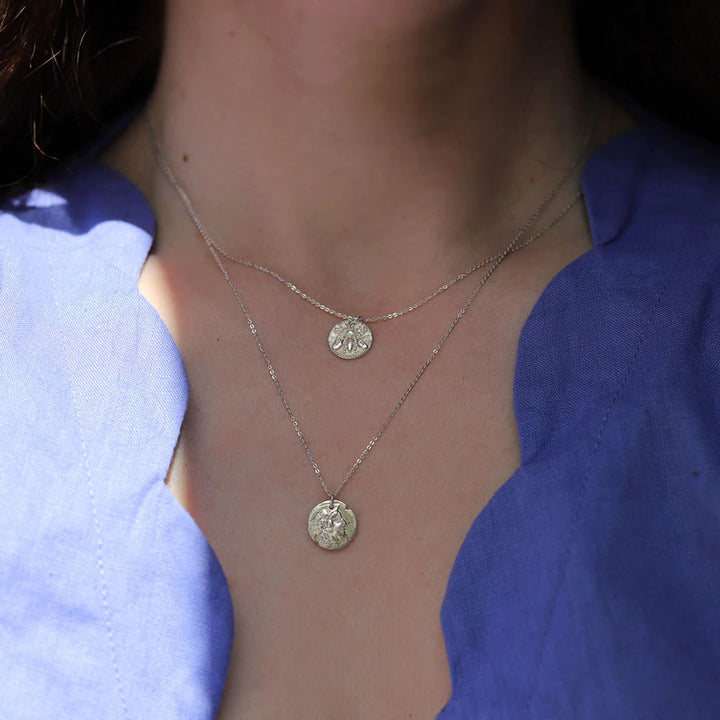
[333, 527]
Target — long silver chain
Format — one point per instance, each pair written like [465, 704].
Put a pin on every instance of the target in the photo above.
[184, 197]
[496, 260]
[273, 374]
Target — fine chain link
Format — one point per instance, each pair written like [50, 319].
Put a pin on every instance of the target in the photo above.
[165, 167]
[436, 350]
[214, 251]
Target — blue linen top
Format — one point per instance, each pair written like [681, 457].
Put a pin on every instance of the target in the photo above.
[588, 587]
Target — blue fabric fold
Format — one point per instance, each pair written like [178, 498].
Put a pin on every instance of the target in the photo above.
[589, 586]
[112, 603]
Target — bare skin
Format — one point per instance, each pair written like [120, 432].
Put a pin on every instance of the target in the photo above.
[369, 151]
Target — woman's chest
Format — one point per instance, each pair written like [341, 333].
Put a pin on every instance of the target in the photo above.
[356, 631]
[352, 632]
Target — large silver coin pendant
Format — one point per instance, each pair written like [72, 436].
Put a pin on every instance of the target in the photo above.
[350, 339]
[332, 524]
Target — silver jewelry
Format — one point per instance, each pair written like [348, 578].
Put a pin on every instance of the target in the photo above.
[331, 523]
[351, 338]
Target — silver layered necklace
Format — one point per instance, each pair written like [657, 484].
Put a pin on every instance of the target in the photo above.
[351, 338]
[331, 523]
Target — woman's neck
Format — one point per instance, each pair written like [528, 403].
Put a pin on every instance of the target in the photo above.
[339, 138]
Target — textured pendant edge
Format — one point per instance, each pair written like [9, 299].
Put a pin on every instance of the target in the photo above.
[350, 339]
[332, 525]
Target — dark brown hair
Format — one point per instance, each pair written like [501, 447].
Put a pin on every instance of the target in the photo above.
[67, 67]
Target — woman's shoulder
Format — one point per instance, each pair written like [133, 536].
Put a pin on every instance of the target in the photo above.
[79, 203]
[71, 252]
[653, 204]
[654, 188]
[67, 249]
[610, 520]
[635, 322]
[94, 393]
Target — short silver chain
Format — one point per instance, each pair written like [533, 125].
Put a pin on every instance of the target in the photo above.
[398, 313]
[494, 264]
[165, 167]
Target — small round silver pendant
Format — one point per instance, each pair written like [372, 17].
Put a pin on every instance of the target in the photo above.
[332, 524]
[350, 339]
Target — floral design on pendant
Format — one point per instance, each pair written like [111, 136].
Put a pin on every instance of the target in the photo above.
[350, 339]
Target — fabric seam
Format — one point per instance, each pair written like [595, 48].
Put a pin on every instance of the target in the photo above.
[93, 502]
[588, 471]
